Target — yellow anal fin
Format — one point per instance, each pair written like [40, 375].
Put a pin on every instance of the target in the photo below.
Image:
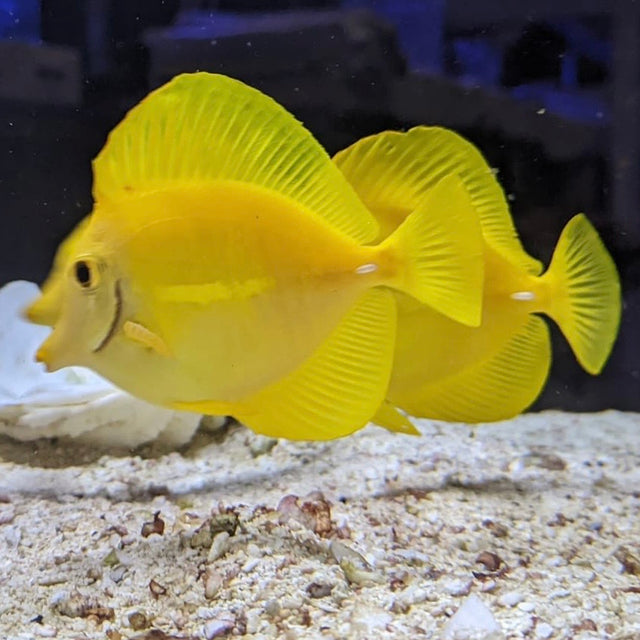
[390, 418]
[497, 388]
[337, 390]
[140, 334]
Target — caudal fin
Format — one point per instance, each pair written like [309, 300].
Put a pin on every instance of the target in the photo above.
[439, 249]
[585, 298]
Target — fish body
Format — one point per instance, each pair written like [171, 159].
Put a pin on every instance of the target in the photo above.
[443, 369]
[228, 267]
[471, 374]
[503, 315]
[248, 277]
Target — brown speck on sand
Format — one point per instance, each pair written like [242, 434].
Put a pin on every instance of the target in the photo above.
[629, 561]
[490, 560]
[156, 526]
[157, 589]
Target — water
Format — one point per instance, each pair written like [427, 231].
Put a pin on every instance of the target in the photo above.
[122, 518]
[20, 20]
[535, 96]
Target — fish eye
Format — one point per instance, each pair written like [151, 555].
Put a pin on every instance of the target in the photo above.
[86, 274]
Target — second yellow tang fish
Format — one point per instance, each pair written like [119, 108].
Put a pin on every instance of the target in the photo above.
[443, 369]
[228, 267]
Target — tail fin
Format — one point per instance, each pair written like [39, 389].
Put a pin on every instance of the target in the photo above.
[585, 298]
[440, 250]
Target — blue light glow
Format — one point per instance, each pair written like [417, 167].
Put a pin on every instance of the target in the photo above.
[20, 20]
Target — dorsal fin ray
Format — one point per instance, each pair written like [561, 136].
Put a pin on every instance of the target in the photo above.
[204, 127]
[392, 171]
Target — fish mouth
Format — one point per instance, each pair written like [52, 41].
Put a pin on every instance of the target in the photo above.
[114, 322]
[42, 356]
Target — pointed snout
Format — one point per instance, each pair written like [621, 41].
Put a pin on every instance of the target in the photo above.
[49, 356]
[42, 355]
[41, 311]
[30, 314]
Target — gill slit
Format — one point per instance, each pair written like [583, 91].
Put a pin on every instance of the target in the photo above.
[115, 321]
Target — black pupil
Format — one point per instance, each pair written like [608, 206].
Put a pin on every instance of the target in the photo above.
[83, 273]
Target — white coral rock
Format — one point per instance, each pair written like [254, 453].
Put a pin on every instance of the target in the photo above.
[472, 621]
[73, 401]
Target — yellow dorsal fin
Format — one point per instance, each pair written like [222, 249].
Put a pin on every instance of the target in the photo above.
[204, 127]
[392, 171]
[337, 390]
[497, 388]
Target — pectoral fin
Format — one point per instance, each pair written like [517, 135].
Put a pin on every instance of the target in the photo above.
[140, 334]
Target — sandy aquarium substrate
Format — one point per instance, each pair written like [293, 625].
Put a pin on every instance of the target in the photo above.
[523, 529]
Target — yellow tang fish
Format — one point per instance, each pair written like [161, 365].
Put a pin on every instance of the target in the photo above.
[443, 369]
[228, 267]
